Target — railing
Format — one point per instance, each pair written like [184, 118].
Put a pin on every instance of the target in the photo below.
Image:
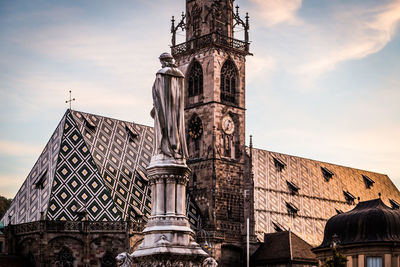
[211, 39]
[75, 226]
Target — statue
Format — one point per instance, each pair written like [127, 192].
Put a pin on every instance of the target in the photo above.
[210, 262]
[124, 260]
[168, 113]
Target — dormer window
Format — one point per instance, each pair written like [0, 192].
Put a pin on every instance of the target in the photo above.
[39, 183]
[368, 181]
[349, 197]
[278, 227]
[292, 209]
[88, 122]
[294, 189]
[132, 134]
[279, 164]
[338, 211]
[395, 205]
[327, 173]
[142, 175]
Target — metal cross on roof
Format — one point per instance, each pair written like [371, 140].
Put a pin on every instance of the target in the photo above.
[70, 99]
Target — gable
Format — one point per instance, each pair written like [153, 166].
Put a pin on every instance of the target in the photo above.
[78, 188]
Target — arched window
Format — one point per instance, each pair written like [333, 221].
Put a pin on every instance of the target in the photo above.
[195, 80]
[228, 82]
[65, 258]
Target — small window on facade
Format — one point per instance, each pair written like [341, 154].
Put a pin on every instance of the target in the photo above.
[88, 122]
[279, 164]
[229, 79]
[294, 189]
[292, 209]
[338, 211]
[368, 181]
[195, 80]
[395, 205]
[327, 173]
[132, 134]
[349, 197]
[278, 227]
[374, 261]
[39, 183]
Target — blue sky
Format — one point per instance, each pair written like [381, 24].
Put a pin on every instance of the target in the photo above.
[325, 75]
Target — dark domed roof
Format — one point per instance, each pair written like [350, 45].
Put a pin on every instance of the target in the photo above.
[369, 221]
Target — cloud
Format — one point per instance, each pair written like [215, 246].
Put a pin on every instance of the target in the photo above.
[357, 33]
[18, 149]
[274, 12]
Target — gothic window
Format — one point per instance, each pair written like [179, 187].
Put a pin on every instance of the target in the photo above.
[65, 258]
[229, 81]
[195, 80]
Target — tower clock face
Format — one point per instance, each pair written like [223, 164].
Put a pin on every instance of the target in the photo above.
[195, 127]
[228, 125]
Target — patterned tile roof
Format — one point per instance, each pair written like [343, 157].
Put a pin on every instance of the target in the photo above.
[92, 166]
[323, 190]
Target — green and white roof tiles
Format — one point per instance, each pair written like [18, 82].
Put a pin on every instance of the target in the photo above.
[97, 168]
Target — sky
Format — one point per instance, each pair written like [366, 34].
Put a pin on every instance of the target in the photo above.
[324, 78]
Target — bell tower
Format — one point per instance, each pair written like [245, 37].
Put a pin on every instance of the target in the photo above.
[213, 62]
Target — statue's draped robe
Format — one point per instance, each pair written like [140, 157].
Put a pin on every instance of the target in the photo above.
[169, 120]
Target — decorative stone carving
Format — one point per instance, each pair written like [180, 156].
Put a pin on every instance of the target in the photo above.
[210, 262]
[124, 260]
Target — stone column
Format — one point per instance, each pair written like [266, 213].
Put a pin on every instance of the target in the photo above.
[170, 196]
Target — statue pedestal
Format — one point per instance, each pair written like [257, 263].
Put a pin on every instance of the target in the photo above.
[168, 239]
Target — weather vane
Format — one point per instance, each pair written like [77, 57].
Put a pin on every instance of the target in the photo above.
[70, 99]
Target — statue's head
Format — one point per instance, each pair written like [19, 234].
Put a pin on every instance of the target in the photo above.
[167, 60]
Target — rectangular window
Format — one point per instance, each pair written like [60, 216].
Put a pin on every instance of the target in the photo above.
[374, 261]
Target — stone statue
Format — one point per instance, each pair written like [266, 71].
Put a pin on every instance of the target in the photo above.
[168, 113]
[210, 262]
[124, 260]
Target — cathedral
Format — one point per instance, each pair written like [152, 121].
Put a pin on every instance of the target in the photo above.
[87, 197]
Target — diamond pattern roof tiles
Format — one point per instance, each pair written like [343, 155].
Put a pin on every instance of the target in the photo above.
[98, 168]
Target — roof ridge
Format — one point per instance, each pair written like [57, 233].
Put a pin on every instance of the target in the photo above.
[324, 162]
[105, 117]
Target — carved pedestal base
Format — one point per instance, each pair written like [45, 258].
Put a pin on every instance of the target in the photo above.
[168, 240]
